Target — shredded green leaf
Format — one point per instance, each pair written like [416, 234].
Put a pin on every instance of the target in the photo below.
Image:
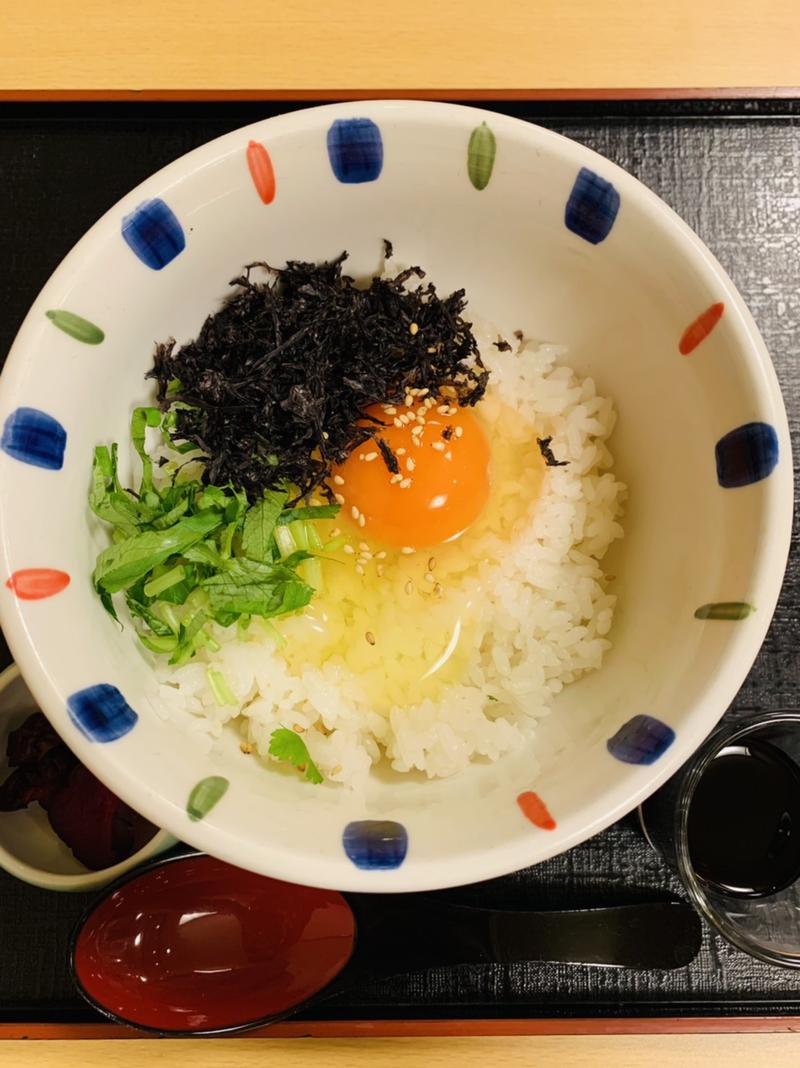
[187, 554]
[288, 746]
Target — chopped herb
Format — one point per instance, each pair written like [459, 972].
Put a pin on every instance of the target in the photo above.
[448, 432]
[290, 747]
[388, 455]
[547, 453]
[273, 390]
[388, 249]
[502, 345]
[185, 554]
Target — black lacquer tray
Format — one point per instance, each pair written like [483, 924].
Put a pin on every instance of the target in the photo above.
[732, 170]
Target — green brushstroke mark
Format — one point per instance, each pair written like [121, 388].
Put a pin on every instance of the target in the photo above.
[724, 610]
[205, 796]
[77, 327]
[480, 155]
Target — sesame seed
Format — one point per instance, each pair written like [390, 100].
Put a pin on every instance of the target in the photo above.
[246, 748]
[370, 637]
[417, 431]
[390, 409]
[429, 403]
[298, 728]
[364, 558]
[409, 400]
[354, 512]
[423, 392]
[335, 532]
[421, 420]
[429, 577]
[381, 555]
[349, 549]
[432, 348]
[409, 586]
[361, 456]
[405, 419]
[417, 442]
[442, 409]
[337, 770]
[370, 457]
[459, 431]
[452, 410]
[379, 570]
[339, 498]
[422, 410]
[438, 445]
[395, 479]
[359, 569]
[401, 451]
[398, 422]
[338, 480]
[363, 547]
[432, 563]
[413, 329]
[448, 455]
[410, 465]
[438, 589]
[362, 521]
[407, 550]
[325, 435]
[405, 483]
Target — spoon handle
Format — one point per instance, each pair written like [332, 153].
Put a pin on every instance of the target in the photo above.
[395, 938]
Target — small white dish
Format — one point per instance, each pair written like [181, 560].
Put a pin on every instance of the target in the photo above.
[29, 847]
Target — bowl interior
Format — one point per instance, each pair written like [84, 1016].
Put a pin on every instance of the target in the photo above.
[621, 305]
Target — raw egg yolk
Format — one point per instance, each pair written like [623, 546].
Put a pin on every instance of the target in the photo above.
[440, 489]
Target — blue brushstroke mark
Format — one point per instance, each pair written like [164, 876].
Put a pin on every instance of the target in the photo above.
[592, 207]
[746, 455]
[34, 437]
[355, 150]
[375, 844]
[642, 740]
[153, 232]
[101, 713]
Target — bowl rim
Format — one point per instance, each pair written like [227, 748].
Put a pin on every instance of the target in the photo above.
[635, 783]
[79, 881]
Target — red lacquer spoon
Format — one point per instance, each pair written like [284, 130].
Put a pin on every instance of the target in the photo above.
[192, 945]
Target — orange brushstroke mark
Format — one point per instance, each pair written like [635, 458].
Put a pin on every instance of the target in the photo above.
[534, 809]
[35, 583]
[700, 329]
[261, 171]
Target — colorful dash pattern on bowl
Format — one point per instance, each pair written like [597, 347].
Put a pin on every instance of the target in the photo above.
[34, 437]
[37, 583]
[746, 455]
[592, 207]
[355, 150]
[355, 147]
[153, 233]
[205, 795]
[642, 740]
[375, 844]
[76, 326]
[101, 713]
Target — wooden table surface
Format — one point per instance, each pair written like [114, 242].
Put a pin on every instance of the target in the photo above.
[496, 48]
[560, 1051]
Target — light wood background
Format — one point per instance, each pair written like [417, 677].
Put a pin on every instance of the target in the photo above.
[620, 1051]
[291, 46]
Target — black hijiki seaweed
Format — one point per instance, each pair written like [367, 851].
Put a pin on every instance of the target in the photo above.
[274, 388]
[547, 453]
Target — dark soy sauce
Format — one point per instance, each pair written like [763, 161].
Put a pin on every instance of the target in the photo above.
[744, 821]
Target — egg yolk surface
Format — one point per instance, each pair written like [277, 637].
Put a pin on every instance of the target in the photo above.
[442, 484]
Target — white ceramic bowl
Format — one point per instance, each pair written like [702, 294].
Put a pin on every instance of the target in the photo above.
[29, 847]
[559, 242]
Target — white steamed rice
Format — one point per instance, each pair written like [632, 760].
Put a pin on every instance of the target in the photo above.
[542, 621]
